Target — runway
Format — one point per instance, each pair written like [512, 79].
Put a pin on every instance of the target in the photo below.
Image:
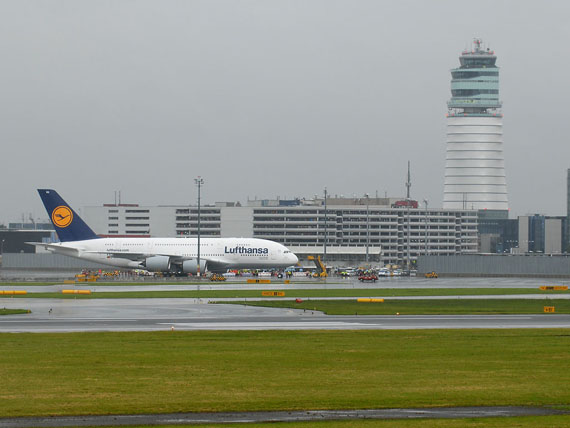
[57, 315]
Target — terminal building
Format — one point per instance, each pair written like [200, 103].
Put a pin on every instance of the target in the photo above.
[348, 231]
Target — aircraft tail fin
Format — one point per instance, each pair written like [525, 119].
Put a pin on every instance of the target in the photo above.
[67, 223]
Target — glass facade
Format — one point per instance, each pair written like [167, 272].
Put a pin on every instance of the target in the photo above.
[475, 85]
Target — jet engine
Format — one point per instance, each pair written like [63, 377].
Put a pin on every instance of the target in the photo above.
[157, 263]
[191, 266]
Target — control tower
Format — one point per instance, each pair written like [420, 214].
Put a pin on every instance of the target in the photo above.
[475, 164]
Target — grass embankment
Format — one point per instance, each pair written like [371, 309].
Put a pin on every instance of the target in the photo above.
[293, 293]
[420, 307]
[4, 311]
[101, 373]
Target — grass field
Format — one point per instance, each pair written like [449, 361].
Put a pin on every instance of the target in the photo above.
[4, 311]
[420, 307]
[293, 293]
[102, 373]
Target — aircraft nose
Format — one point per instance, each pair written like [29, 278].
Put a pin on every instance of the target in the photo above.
[294, 259]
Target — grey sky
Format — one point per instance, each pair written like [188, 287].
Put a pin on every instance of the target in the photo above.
[266, 98]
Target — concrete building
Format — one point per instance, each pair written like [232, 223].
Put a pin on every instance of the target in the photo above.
[567, 229]
[541, 234]
[497, 234]
[14, 240]
[349, 231]
[475, 167]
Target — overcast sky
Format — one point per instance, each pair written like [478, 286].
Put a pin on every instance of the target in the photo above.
[268, 98]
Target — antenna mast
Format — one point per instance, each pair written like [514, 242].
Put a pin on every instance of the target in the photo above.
[408, 183]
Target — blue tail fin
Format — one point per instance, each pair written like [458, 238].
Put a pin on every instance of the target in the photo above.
[67, 223]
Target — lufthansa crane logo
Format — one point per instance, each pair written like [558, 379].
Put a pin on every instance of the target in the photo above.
[62, 216]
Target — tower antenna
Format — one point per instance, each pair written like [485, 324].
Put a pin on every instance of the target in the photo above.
[408, 183]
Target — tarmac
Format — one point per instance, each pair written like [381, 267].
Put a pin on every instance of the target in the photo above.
[279, 416]
[70, 315]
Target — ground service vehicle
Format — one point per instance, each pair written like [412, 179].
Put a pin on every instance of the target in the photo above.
[321, 268]
[431, 274]
[368, 277]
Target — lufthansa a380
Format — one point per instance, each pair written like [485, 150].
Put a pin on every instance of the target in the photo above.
[177, 255]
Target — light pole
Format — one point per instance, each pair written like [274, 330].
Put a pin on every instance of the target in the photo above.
[367, 228]
[325, 241]
[426, 239]
[199, 181]
[408, 202]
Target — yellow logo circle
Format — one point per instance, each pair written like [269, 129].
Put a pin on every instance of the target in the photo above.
[62, 216]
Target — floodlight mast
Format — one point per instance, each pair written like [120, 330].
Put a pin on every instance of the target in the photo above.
[367, 228]
[408, 202]
[325, 240]
[426, 226]
[199, 182]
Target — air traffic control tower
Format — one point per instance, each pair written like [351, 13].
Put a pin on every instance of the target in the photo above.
[475, 164]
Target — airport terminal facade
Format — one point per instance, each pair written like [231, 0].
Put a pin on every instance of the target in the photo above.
[349, 231]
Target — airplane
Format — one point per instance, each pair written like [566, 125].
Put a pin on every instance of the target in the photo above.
[168, 255]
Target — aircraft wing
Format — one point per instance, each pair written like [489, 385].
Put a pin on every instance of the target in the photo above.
[136, 256]
[213, 265]
[55, 248]
[77, 252]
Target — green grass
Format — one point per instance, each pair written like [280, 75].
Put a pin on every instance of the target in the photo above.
[419, 307]
[4, 311]
[111, 373]
[293, 293]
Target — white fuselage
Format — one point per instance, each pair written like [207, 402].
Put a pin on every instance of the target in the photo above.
[232, 253]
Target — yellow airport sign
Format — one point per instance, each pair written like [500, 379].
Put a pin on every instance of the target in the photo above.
[12, 292]
[76, 291]
[549, 309]
[273, 293]
[258, 281]
[370, 300]
[554, 287]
